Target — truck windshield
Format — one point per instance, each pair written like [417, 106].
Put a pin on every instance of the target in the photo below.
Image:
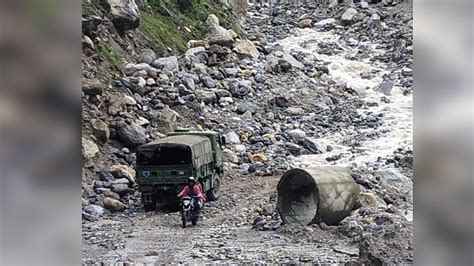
[165, 156]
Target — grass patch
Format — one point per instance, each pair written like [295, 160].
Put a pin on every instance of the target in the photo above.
[110, 55]
[170, 31]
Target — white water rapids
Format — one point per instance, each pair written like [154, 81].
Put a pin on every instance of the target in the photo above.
[398, 114]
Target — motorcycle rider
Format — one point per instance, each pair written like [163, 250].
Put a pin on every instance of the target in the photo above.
[193, 190]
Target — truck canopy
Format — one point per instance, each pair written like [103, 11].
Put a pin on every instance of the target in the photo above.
[177, 150]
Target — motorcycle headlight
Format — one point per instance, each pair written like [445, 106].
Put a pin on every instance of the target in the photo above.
[186, 202]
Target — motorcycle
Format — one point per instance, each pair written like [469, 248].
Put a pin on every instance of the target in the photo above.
[189, 210]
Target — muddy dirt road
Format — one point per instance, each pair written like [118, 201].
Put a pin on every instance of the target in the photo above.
[224, 234]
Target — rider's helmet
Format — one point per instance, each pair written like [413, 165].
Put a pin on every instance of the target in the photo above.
[191, 179]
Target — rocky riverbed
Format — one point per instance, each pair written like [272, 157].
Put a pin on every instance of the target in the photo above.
[311, 85]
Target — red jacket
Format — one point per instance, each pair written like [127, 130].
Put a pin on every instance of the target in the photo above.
[197, 191]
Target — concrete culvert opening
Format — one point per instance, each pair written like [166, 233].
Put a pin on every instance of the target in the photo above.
[312, 195]
[297, 197]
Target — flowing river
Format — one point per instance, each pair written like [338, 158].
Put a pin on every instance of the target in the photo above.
[397, 125]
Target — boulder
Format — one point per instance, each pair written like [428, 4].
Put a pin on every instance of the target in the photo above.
[212, 20]
[131, 68]
[101, 131]
[165, 120]
[392, 178]
[147, 56]
[255, 158]
[206, 96]
[123, 171]
[89, 149]
[238, 89]
[169, 63]
[132, 135]
[232, 138]
[92, 86]
[246, 49]
[230, 156]
[116, 104]
[323, 23]
[121, 189]
[374, 21]
[313, 145]
[246, 107]
[94, 210]
[305, 23]
[220, 36]
[188, 82]
[113, 204]
[297, 134]
[207, 81]
[349, 16]
[370, 200]
[125, 14]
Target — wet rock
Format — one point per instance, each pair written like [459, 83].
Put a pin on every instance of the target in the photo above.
[312, 145]
[92, 86]
[131, 135]
[147, 56]
[169, 63]
[89, 149]
[246, 49]
[165, 120]
[384, 87]
[125, 14]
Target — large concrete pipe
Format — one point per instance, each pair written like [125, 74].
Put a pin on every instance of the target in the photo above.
[313, 195]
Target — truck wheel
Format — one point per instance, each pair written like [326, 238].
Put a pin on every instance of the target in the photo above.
[213, 193]
[149, 207]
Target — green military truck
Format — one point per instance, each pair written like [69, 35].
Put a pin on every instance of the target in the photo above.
[163, 166]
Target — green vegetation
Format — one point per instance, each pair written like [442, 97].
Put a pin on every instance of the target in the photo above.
[186, 21]
[110, 55]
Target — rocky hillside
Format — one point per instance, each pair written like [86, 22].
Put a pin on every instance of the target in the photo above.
[290, 86]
